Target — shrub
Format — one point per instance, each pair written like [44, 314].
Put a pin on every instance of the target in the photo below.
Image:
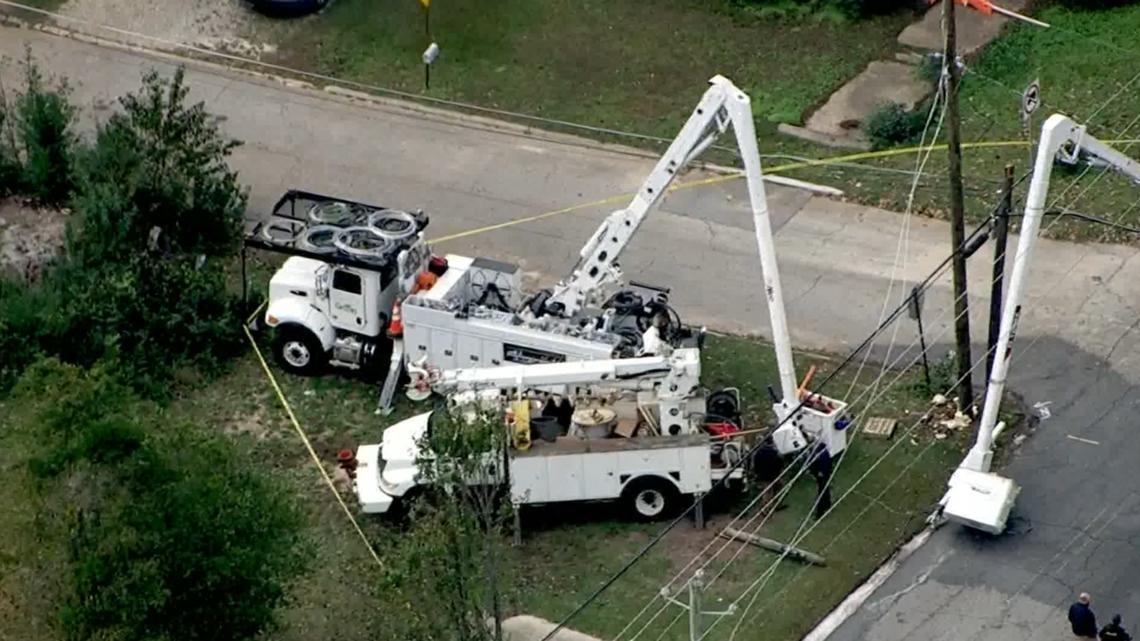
[44, 117]
[158, 167]
[892, 125]
[169, 532]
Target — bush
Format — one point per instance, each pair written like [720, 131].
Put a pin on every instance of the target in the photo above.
[170, 533]
[892, 125]
[44, 116]
[37, 145]
[157, 212]
[159, 167]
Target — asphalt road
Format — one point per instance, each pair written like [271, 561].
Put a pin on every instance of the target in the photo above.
[1077, 351]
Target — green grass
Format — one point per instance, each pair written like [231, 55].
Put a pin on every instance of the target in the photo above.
[566, 553]
[1081, 62]
[614, 63]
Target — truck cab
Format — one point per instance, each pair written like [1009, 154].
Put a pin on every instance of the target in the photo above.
[349, 265]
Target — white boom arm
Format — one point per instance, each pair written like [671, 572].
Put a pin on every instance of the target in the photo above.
[722, 105]
[676, 375]
[976, 497]
[1057, 133]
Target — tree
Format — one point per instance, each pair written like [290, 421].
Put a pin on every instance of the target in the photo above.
[456, 555]
[158, 178]
[37, 144]
[171, 534]
[158, 211]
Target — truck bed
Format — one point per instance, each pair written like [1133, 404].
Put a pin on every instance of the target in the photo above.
[568, 445]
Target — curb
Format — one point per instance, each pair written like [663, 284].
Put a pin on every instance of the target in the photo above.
[372, 100]
[847, 608]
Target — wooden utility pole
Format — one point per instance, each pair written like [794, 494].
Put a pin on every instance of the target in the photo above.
[957, 210]
[1001, 233]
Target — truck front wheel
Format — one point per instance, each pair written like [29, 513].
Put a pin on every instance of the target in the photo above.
[650, 499]
[298, 351]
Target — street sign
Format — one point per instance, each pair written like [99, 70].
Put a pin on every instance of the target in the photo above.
[1030, 99]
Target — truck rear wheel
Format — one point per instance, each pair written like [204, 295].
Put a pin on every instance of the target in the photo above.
[298, 351]
[650, 499]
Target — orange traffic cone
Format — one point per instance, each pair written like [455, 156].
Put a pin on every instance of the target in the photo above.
[396, 325]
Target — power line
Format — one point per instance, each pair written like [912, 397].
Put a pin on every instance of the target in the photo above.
[866, 343]
[1028, 348]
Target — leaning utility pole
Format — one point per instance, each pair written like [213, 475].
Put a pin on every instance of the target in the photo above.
[957, 210]
[1001, 233]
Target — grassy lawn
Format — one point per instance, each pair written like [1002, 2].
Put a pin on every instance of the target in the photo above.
[616, 64]
[1081, 63]
[612, 63]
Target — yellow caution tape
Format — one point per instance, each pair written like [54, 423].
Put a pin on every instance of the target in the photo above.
[309, 446]
[803, 164]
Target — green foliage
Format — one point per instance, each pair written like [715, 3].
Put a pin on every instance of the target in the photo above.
[172, 534]
[37, 145]
[157, 212]
[45, 117]
[455, 555]
[160, 164]
[892, 125]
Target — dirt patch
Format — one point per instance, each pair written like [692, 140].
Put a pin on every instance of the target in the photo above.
[29, 238]
[212, 24]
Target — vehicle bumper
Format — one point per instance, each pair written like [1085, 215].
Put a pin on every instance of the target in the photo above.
[373, 500]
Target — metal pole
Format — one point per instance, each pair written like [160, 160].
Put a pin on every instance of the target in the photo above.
[244, 285]
[957, 211]
[1001, 234]
[914, 292]
[427, 77]
[696, 588]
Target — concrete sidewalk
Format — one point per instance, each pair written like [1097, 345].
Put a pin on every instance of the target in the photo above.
[1078, 514]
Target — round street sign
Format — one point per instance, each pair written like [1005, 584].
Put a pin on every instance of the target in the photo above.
[1031, 99]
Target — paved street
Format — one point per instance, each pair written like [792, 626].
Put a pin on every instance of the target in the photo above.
[1079, 511]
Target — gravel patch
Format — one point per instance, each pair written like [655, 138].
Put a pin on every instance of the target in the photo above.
[224, 25]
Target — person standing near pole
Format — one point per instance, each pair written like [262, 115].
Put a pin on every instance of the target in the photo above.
[820, 468]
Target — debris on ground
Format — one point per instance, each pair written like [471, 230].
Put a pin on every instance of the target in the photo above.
[30, 237]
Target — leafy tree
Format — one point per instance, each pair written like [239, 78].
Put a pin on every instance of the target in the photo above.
[37, 144]
[158, 178]
[171, 534]
[455, 556]
[45, 118]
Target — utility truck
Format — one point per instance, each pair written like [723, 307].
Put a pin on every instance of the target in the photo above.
[456, 312]
[638, 430]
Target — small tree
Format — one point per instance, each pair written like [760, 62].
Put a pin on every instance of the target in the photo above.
[44, 121]
[158, 178]
[456, 554]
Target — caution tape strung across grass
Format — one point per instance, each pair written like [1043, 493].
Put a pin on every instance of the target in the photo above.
[308, 444]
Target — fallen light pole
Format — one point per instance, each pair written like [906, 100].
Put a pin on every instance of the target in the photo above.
[977, 497]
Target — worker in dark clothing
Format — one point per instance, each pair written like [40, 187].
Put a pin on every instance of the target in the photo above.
[1114, 631]
[820, 468]
[766, 466]
[1081, 617]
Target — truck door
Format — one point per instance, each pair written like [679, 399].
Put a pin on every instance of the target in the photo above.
[346, 300]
